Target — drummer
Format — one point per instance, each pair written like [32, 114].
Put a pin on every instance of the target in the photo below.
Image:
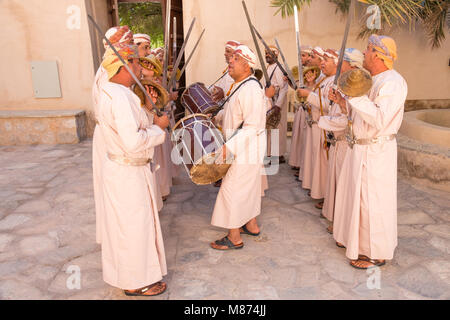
[239, 200]
[225, 82]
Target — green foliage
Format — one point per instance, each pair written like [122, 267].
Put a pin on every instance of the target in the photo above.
[433, 15]
[287, 6]
[144, 18]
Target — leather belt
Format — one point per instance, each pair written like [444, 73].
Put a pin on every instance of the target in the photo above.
[126, 161]
[375, 140]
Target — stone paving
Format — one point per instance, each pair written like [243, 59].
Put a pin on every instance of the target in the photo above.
[47, 225]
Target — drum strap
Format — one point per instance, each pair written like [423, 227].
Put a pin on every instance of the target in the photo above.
[249, 79]
[242, 124]
[273, 72]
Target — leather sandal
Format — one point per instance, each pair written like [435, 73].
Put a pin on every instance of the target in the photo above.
[246, 231]
[374, 262]
[226, 242]
[141, 292]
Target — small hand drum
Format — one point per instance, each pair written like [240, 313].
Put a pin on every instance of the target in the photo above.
[197, 99]
[201, 143]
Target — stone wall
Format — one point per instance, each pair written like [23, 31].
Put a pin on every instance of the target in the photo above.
[42, 127]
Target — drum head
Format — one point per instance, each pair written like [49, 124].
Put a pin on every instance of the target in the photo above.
[205, 171]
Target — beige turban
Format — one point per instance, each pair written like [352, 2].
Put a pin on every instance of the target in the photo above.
[111, 63]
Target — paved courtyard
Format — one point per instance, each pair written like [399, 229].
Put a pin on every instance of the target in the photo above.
[47, 227]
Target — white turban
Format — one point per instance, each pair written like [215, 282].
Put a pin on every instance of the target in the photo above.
[232, 44]
[354, 57]
[141, 37]
[113, 33]
[247, 53]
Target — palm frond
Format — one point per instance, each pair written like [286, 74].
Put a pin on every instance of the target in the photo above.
[433, 17]
[287, 6]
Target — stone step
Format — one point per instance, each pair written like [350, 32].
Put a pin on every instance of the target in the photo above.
[23, 127]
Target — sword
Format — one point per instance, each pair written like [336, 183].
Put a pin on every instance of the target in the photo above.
[166, 44]
[180, 54]
[174, 44]
[289, 72]
[260, 57]
[344, 43]
[299, 50]
[274, 57]
[192, 53]
[159, 113]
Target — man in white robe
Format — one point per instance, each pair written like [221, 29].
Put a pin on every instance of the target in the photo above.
[239, 200]
[365, 219]
[320, 107]
[297, 125]
[279, 100]
[312, 83]
[133, 255]
[162, 160]
[335, 123]
[116, 35]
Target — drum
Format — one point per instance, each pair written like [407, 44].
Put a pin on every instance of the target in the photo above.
[197, 99]
[273, 118]
[199, 143]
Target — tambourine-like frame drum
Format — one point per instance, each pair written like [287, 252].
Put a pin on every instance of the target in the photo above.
[201, 143]
[197, 99]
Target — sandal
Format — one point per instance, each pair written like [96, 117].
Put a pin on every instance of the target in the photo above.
[141, 292]
[330, 229]
[218, 183]
[226, 243]
[246, 231]
[374, 262]
[296, 174]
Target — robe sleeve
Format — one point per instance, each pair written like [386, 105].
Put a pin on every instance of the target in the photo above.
[380, 112]
[134, 138]
[252, 104]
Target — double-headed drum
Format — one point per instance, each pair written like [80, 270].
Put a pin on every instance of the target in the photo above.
[273, 117]
[199, 144]
[197, 99]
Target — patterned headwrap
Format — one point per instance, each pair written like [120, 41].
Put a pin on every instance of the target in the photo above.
[141, 37]
[232, 44]
[333, 54]
[385, 48]
[274, 50]
[354, 57]
[246, 53]
[318, 51]
[111, 63]
[118, 35]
